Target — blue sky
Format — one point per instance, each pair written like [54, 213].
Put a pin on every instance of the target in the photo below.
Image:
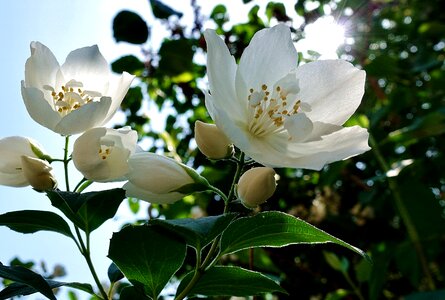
[62, 26]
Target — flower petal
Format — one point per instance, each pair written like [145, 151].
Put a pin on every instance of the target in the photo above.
[332, 88]
[221, 70]
[121, 88]
[268, 58]
[41, 67]
[38, 107]
[88, 66]
[235, 130]
[85, 150]
[132, 190]
[298, 126]
[342, 144]
[87, 116]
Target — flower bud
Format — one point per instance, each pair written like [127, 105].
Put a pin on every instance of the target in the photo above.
[159, 179]
[256, 186]
[211, 141]
[101, 154]
[38, 173]
[11, 150]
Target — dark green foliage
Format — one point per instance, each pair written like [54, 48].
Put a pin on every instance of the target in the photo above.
[231, 281]
[130, 27]
[88, 210]
[148, 258]
[400, 45]
[162, 11]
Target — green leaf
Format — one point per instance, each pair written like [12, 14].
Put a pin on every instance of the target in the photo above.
[131, 293]
[114, 274]
[130, 27]
[162, 11]
[30, 221]
[197, 232]
[27, 277]
[275, 229]
[100, 207]
[176, 57]
[20, 289]
[230, 281]
[88, 210]
[128, 63]
[147, 256]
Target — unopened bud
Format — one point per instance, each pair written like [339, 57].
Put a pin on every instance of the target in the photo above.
[38, 173]
[256, 186]
[211, 141]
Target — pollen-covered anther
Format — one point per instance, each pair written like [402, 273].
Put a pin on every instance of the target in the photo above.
[104, 152]
[71, 97]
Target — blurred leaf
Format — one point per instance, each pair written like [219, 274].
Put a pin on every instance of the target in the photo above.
[26, 277]
[434, 295]
[133, 100]
[88, 210]
[338, 294]
[276, 10]
[197, 232]
[20, 289]
[432, 29]
[424, 209]
[430, 125]
[275, 229]
[134, 205]
[176, 57]
[230, 281]
[162, 11]
[341, 265]
[128, 63]
[219, 15]
[30, 221]
[146, 256]
[130, 27]
[363, 271]
[382, 66]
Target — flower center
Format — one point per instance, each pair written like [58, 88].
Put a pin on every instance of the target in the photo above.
[269, 108]
[104, 151]
[71, 97]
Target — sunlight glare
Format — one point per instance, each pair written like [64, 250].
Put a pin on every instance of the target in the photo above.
[324, 36]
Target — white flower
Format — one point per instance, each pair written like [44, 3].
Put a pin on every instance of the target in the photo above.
[159, 179]
[101, 154]
[74, 97]
[15, 151]
[211, 141]
[281, 115]
[38, 173]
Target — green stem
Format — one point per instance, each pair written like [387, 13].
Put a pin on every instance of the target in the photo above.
[239, 169]
[65, 162]
[404, 214]
[354, 287]
[219, 192]
[83, 184]
[86, 254]
[210, 259]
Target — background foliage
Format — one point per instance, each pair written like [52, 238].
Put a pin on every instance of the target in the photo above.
[388, 201]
